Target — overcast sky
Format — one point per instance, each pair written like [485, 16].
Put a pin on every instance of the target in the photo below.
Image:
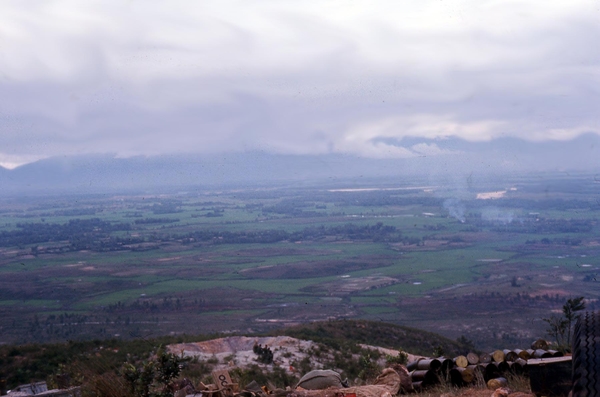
[298, 77]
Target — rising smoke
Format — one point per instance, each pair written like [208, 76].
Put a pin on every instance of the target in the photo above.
[456, 208]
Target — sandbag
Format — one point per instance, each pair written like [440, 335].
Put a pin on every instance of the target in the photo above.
[321, 379]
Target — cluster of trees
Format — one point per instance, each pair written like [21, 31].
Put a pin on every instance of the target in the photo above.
[74, 230]
[78, 326]
[65, 212]
[153, 377]
[54, 327]
[106, 244]
[265, 354]
[518, 298]
[215, 214]
[95, 234]
[547, 226]
[74, 212]
[150, 221]
[556, 241]
[291, 208]
[304, 207]
[377, 233]
[154, 306]
[561, 327]
[381, 198]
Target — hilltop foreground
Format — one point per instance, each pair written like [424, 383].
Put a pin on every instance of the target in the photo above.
[357, 349]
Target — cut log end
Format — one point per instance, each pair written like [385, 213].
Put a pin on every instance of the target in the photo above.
[496, 383]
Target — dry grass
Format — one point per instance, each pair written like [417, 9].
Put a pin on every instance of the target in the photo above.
[98, 379]
[106, 385]
[516, 383]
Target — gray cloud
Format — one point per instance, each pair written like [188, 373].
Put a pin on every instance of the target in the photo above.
[313, 78]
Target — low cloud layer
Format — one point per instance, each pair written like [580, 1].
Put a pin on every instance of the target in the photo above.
[154, 78]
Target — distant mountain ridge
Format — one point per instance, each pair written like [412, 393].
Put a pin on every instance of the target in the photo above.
[102, 172]
[455, 158]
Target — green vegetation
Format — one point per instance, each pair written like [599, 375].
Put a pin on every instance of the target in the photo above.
[561, 328]
[336, 334]
[91, 267]
[140, 366]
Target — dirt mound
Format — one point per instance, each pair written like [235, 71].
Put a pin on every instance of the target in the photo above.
[235, 344]
[237, 350]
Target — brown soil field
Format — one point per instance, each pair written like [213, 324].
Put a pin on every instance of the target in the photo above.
[348, 285]
[270, 252]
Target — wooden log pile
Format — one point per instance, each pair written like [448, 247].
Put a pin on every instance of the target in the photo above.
[490, 368]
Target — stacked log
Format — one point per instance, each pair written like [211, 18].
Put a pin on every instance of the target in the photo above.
[496, 383]
[530, 352]
[447, 364]
[432, 365]
[490, 371]
[539, 344]
[522, 354]
[510, 355]
[540, 353]
[413, 365]
[503, 366]
[498, 356]
[477, 371]
[473, 358]
[466, 369]
[455, 376]
[426, 377]
[555, 353]
[466, 375]
[519, 366]
[461, 361]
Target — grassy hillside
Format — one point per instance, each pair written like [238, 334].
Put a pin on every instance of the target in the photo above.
[340, 332]
[33, 362]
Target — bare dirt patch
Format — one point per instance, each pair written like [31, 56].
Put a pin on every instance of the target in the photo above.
[271, 252]
[348, 285]
[174, 258]
[135, 272]
[238, 350]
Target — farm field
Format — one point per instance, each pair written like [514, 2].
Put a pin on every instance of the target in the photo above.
[473, 263]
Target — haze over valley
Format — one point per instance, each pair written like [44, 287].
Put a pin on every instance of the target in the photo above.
[237, 167]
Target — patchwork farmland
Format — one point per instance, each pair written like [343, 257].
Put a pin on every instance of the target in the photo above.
[141, 265]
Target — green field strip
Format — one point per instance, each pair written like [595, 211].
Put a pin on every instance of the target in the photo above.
[372, 300]
[229, 313]
[376, 310]
[37, 303]
[279, 286]
[571, 262]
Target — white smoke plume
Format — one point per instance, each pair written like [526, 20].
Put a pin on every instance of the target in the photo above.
[456, 208]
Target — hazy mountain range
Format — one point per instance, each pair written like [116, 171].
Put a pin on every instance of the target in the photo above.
[450, 159]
